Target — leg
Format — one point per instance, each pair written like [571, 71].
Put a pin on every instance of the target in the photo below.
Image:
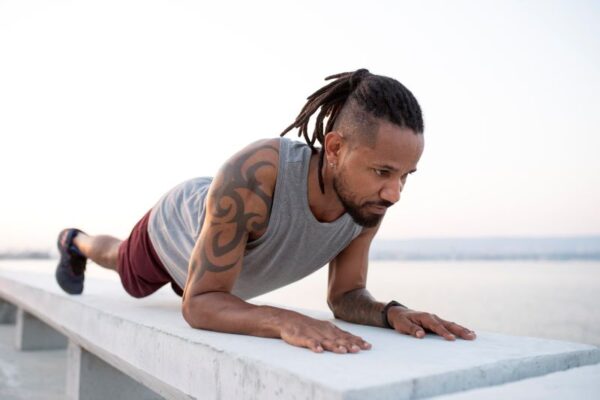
[101, 249]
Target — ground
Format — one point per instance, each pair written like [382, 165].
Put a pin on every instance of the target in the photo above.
[30, 375]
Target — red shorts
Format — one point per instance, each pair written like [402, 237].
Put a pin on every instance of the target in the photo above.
[142, 273]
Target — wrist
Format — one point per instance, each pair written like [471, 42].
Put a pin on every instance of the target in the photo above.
[385, 313]
[280, 319]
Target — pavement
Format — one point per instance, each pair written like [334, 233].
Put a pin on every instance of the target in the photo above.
[30, 375]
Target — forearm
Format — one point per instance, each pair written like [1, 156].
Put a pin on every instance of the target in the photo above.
[359, 307]
[224, 312]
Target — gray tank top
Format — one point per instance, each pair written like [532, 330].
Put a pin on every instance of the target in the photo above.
[294, 245]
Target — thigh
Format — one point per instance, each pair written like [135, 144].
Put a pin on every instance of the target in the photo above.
[141, 271]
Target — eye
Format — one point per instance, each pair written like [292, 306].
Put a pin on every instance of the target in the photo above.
[381, 172]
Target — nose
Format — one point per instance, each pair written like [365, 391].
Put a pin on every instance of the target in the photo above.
[391, 191]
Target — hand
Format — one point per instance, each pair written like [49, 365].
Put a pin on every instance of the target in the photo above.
[318, 336]
[415, 323]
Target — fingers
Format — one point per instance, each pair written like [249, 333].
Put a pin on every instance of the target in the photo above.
[406, 326]
[345, 344]
[415, 324]
[364, 345]
[330, 339]
[435, 325]
[310, 343]
[460, 331]
[339, 346]
[350, 340]
[341, 341]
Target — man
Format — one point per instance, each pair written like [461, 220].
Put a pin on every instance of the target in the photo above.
[275, 212]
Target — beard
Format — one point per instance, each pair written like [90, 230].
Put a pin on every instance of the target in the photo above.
[358, 212]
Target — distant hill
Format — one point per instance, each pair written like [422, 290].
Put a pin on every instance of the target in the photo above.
[25, 255]
[501, 248]
[491, 248]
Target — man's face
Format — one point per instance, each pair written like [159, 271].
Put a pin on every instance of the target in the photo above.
[369, 179]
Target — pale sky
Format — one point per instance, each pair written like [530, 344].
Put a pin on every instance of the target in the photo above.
[104, 106]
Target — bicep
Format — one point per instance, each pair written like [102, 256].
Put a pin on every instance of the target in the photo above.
[237, 204]
[218, 253]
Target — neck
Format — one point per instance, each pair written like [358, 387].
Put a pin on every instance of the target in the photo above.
[326, 207]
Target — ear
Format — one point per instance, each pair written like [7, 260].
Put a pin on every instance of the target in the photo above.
[334, 143]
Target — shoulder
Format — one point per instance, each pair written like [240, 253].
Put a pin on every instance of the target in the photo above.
[254, 167]
[258, 162]
[266, 150]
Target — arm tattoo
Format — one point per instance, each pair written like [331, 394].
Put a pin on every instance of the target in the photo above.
[359, 307]
[230, 219]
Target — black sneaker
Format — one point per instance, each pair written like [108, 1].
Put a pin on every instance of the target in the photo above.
[71, 266]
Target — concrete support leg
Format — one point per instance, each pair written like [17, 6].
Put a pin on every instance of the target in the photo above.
[33, 334]
[8, 312]
[90, 378]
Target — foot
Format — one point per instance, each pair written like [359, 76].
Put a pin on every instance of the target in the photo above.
[71, 266]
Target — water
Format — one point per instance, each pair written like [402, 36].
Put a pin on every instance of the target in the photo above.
[551, 299]
[558, 300]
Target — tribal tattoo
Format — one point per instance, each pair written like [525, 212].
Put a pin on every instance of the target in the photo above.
[238, 206]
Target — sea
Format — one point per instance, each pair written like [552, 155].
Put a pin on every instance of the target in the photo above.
[556, 299]
[549, 299]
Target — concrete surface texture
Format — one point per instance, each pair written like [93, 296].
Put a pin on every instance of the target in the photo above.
[30, 375]
[149, 340]
[8, 313]
[33, 334]
[581, 383]
[90, 378]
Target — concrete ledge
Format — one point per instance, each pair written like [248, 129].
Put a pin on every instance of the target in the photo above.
[8, 313]
[148, 340]
[30, 375]
[33, 334]
[90, 378]
[581, 383]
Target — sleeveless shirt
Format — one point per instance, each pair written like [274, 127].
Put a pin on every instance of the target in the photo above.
[294, 245]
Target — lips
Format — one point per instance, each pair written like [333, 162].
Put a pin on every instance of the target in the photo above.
[378, 209]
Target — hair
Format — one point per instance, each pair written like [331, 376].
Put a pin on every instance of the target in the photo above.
[357, 92]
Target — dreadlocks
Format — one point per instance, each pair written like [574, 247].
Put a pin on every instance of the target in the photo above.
[377, 96]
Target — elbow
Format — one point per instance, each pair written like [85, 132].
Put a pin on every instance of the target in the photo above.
[191, 309]
[201, 310]
[332, 303]
[187, 310]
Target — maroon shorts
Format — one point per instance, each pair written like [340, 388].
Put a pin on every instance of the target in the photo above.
[142, 273]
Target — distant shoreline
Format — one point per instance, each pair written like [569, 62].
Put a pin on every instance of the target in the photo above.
[378, 257]
[585, 248]
[504, 257]
[26, 255]
[490, 248]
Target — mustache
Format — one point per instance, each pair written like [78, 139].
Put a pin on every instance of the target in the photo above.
[382, 203]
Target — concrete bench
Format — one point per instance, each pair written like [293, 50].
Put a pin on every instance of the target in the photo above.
[121, 347]
[580, 383]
